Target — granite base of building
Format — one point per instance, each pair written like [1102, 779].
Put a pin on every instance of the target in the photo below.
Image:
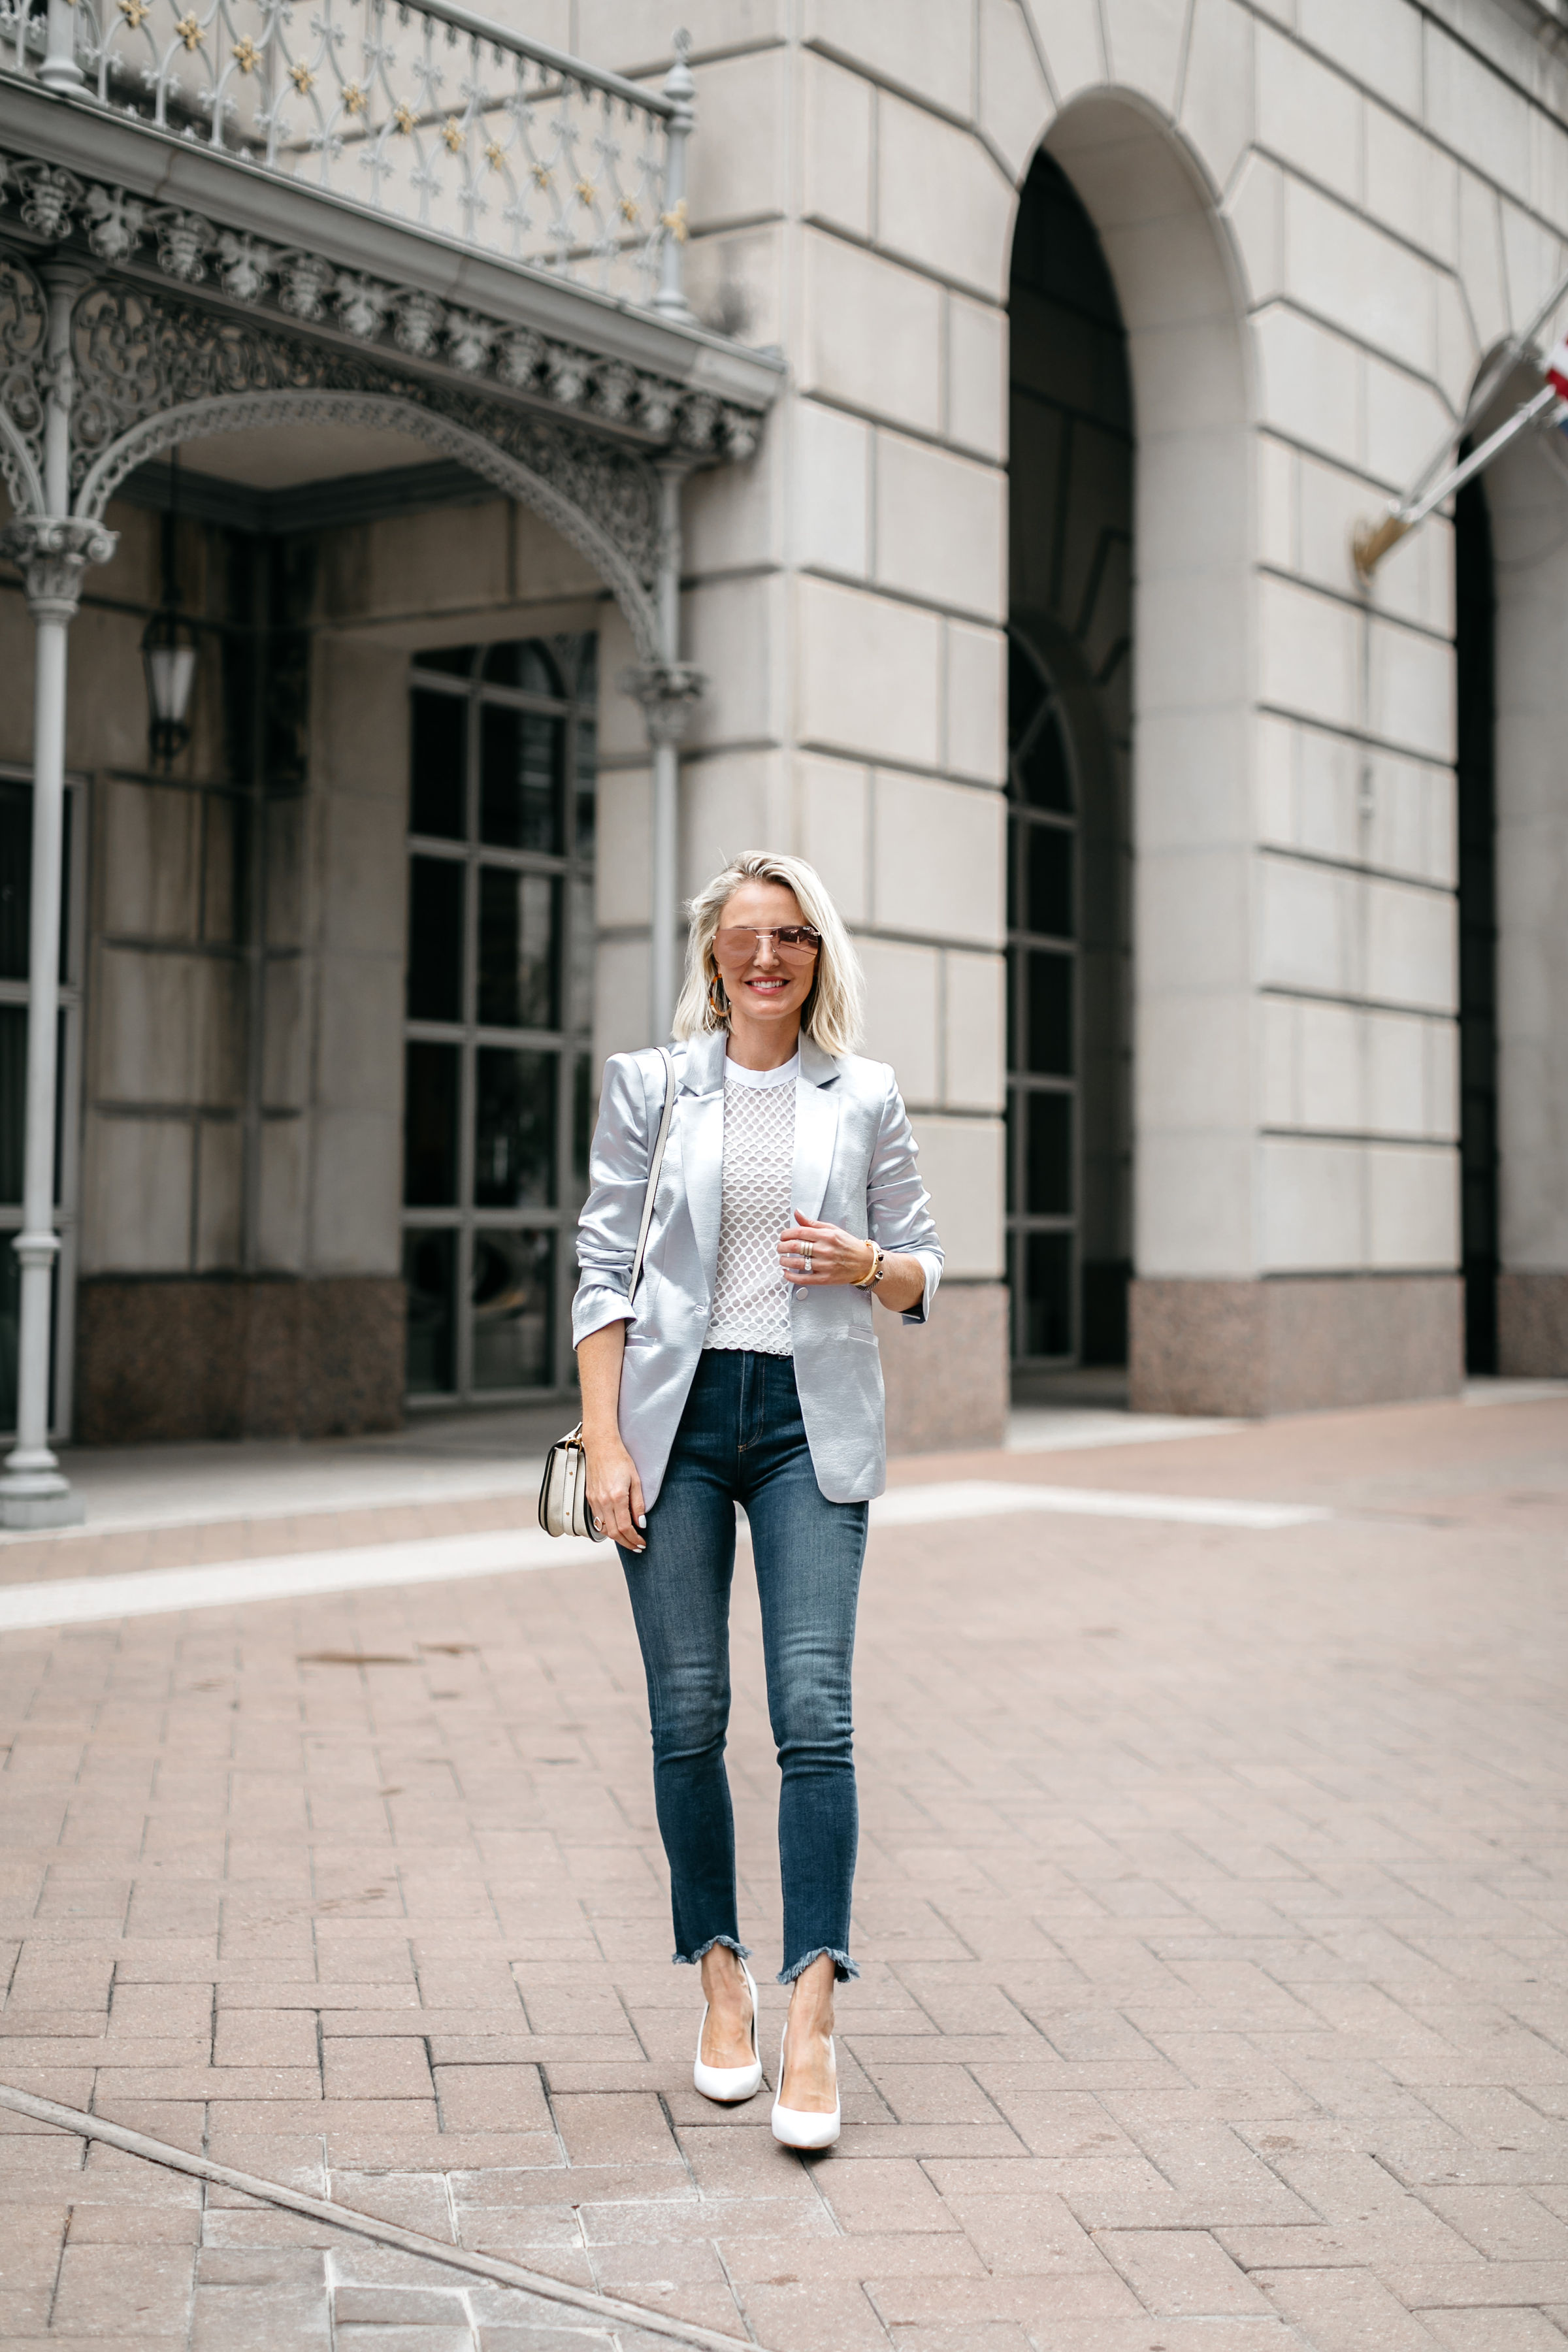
[947, 1382]
[1533, 1325]
[1308, 1345]
[230, 1357]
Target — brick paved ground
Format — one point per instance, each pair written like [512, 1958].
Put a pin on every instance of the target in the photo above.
[1212, 1907]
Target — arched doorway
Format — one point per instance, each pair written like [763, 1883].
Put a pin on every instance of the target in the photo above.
[1512, 615]
[1152, 679]
[1070, 727]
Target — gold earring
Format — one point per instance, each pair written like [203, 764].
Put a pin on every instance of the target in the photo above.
[718, 1001]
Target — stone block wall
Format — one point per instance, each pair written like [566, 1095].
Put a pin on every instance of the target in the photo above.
[1319, 225]
[1250, 1349]
[229, 1357]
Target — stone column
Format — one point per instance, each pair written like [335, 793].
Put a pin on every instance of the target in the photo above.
[52, 551]
[34, 1492]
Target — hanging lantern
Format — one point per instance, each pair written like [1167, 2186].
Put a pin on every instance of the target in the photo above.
[169, 649]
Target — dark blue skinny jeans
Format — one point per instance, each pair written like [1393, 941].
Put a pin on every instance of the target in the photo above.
[741, 1440]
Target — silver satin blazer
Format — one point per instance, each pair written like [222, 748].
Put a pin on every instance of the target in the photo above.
[854, 1166]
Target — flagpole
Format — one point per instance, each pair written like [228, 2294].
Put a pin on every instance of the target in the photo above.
[1371, 541]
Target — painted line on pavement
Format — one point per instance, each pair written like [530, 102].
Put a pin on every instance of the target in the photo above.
[609, 2308]
[288, 1576]
[990, 1499]
[505, 1552]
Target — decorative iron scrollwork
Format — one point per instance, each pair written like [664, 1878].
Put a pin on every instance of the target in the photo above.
[152, 373]
[309, 289]
[23, 320]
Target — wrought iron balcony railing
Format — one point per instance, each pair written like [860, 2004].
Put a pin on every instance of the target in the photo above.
[414, 109]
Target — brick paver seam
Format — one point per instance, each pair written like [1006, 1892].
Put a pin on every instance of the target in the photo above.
[366, 2225]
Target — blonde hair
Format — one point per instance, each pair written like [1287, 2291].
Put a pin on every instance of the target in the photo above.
[831, 1014]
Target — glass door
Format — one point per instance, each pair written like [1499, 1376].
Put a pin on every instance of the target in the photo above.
[497, 1098]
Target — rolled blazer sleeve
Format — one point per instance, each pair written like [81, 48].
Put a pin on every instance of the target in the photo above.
[898, 1206]
[617, 1179]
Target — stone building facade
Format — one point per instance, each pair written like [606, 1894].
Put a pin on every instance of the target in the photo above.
[1031, 620]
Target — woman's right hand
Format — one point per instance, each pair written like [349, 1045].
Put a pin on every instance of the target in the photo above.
[615, 1492]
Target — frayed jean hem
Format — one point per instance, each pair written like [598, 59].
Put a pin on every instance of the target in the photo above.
[692, 1959]
[843, 1967]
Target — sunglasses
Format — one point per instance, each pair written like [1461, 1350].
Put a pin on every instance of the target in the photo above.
[795, 942]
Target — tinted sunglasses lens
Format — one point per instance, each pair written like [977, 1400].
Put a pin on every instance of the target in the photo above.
[795, 942]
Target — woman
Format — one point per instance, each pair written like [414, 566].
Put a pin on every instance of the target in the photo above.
[745, 1371]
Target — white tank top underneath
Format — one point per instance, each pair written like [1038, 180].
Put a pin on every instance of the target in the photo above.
[751, 1297]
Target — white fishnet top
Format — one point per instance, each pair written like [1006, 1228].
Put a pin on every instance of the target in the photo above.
[751, 1297]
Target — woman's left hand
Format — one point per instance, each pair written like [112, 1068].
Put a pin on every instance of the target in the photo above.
[813, 1252]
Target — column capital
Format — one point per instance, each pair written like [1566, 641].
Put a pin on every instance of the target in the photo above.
[668, 692]
[52, 552]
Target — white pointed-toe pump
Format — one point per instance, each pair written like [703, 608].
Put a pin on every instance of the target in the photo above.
[729, 2084]
[801, 2127]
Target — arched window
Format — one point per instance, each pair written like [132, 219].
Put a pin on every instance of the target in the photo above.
[1069, 726]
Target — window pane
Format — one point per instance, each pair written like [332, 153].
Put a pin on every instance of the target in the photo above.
[514, 1129]
[15, 877]
[587, 682]
[10, 1311]
[435, 939]
[580, 975]
[13, 1111]
[587, 783]
[437, 798]
[451, 661]
[1048, 1155]
[1047, 1294]
[1043, 768]
[521, 756]
[1048, 982]
[582, 1124]
[429, 1261]
[1048, 880]
[68, 815]
[526, 664]
[520, 920]
[430, 1125]
[512, 1292]
[1025, 691]
[16, 880]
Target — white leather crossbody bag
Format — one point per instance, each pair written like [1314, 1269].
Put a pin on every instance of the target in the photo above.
[563, 1490]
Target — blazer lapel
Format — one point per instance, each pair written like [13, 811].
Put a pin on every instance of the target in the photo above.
[816, 1129]
[702, 1144]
